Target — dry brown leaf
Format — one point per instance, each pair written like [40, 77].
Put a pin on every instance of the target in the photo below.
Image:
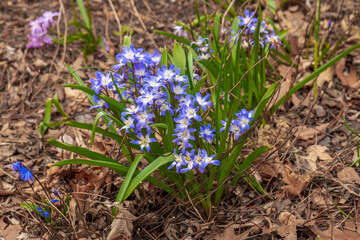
[320, 198]
[122, 227]
[315, 153]
[6, 189]
[295, 183]
[288, 228]
[349, 174]
[325, 76]
[7, 230]
[335, 233]
[348, 80]
[228, 234]
[308, 133]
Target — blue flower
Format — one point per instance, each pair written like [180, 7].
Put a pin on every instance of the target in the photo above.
[178, 89]
[24, 173]
[248, 19]
[121, 61]
[43, 213]
[155, 58]
[244, 118]
[128, 54]
[207, 133]
[184, 136]
[144, 141]
[128, 123]
[206, 160]
[178, 161]
[224, 125]
[199, 41]
[273, 39]
[140, 70]
[190, 111]
[189, 161]
[16, 166]
[202, 101]
[99, 103]
[166, 73]
[54, 200]
[183, 123]
[166, 107]
[178, 30]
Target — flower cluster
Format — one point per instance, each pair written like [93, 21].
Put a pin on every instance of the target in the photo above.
[38, 35]
[24, 173]
[248, 25]
[151, 94]
[240, 124]
[203, 48]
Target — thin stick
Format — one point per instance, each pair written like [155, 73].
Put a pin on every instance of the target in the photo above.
[142, 23]
[117, 20]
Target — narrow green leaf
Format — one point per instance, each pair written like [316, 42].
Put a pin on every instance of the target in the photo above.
[179, 58]
[249, 160]
[81, 151]
[97, 118]
[157, 163]
[127, 180]
[84, 14]
[173, 36]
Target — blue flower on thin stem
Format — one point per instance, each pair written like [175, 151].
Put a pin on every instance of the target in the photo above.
[206, 160]
[99, 103]
[207, 133]
[24, 173]
[248, 19]
[203, 101]
[144, 141]
[43, 213]
[178, 161]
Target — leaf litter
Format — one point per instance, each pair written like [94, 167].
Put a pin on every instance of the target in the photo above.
[306, 182]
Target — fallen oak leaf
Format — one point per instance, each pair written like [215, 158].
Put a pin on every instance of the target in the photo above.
[335, 233]
[350, 80]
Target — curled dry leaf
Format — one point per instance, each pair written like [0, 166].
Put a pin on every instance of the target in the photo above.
[335, 233]
[315, 153]
[348, 80]
[295, 183]
[349, 174]
[308, 133]
[288, 228]
[122, 227]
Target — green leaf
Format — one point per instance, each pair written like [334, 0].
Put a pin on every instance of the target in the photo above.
[127, 41]
[84, 14]
[248, 161]
[81, 151]
[161, 125]
[47, 117]
[173, 36]
[95, 162]
[58, 106]
[264, 100]
[126, 182]
[97, 118]
[157, 163]
[114, 136]
[164, 57]
[179, 58]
